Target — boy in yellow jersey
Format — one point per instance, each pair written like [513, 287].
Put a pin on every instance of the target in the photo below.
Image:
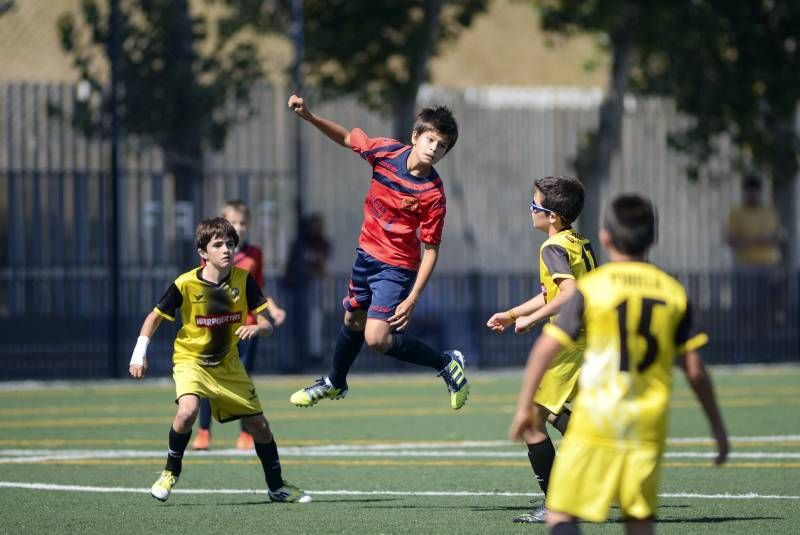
[564, 257]
[637, 319]
[213, 300]
[250, 258]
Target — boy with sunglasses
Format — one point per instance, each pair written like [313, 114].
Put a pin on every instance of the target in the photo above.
[638, 324]
[564, 257]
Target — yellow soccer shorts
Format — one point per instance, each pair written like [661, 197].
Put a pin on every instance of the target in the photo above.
[587, 478]
[226, 385]
[560, 382]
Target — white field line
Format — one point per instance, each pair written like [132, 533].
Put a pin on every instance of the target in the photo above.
[444, 445]
[430, 449]
[12, 456]
[80, 488]
[734, 440]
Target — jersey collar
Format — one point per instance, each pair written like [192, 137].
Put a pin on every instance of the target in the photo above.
[199, 274]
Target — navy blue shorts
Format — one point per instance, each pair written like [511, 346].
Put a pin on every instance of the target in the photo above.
[377, 287]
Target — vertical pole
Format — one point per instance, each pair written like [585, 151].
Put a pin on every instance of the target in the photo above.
[300, 322]
[113, 237]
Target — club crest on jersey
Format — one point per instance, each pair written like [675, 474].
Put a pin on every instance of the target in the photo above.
[234, 293]
[409, 203]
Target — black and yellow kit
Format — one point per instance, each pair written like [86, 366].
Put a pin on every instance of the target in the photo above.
[210, 314]
[565, 255]
[206, 357]
[636, 319]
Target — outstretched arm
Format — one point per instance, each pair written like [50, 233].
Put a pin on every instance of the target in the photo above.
[566, 288]
[335, 131]
[138, 364]
[402, 314]
[501, 320]
[700, 382]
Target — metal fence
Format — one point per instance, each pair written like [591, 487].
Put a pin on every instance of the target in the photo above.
[751, 318]
[55, 206]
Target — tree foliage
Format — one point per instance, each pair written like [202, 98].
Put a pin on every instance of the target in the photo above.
[735, 68]
[375, 49]
[170, 93]
[732, 66]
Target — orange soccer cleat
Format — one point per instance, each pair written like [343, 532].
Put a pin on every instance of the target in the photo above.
[203, 440]
[245, 441]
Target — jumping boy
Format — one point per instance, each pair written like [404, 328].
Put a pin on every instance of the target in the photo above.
[564, 257]
[250, 258]
[637, 319]
[406, 197]
[214, 301]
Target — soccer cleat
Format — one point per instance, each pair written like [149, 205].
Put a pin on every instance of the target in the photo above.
[161, 488]
[322, 389]
[537, 515]
[245, 441]
[455, 379]
[203, 440]
[288, 493]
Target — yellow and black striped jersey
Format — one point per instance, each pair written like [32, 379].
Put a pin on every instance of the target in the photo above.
[637, 319]
[565, 255]
[210, 313]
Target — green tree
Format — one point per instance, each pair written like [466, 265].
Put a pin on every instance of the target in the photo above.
[170, 93]
[731, 66]
[376, 49]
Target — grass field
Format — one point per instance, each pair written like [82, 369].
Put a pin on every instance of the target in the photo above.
[391, 458]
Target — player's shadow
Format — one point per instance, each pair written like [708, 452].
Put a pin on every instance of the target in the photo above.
[702, 519]
[262, 503]
[486, 508]
[529, 506]
[713, 519]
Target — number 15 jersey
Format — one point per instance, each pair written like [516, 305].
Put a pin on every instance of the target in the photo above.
[637, 319]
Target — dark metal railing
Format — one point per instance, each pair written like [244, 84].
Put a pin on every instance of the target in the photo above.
[750, 317]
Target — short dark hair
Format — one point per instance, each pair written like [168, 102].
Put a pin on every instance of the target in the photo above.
[439, 118]
[209, 228]
[561, 194]
[630, 220]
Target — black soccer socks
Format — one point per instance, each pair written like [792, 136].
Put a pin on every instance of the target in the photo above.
[565, 528]
[562, 420]
[268, 455]
[348, 344]
[408, 348]
[177, 445]
[541, 455]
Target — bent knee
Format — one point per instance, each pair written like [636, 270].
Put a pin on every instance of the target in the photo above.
[258, 427]
[378, 342]
[186, 417]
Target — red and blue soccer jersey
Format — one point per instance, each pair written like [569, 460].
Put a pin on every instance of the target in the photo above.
[398, 203]
[249, 257]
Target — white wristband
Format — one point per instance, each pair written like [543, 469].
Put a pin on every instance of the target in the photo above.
[140, 351]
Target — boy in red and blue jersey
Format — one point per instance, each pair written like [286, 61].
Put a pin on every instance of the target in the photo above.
[404, 211]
